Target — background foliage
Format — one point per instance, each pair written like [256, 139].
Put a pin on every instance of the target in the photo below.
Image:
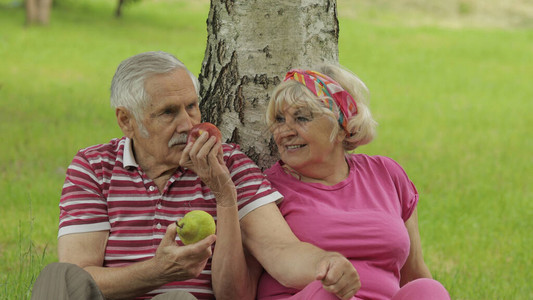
[451, 90]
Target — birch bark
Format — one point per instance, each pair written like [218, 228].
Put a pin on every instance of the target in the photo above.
[251, 45]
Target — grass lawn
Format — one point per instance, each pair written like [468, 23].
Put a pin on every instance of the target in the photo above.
[453, 104]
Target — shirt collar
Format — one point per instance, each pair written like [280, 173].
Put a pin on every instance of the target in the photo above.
[128, 158]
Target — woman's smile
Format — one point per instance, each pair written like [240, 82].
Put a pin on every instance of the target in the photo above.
[295, 147]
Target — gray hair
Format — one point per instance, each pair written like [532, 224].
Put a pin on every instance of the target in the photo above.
[127, 86]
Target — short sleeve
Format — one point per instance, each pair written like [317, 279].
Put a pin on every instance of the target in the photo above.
[82, 207]
[406, 190]
[253, 188]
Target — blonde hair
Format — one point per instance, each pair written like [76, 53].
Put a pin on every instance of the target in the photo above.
[361, 128]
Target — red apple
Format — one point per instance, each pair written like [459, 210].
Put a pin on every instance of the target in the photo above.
[198, 129]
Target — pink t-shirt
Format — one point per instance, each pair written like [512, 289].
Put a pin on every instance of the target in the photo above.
[361, 217]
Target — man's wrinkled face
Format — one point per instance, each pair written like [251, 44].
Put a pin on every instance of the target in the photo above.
[168, 117]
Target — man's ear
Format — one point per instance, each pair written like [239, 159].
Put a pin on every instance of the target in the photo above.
[125, 121]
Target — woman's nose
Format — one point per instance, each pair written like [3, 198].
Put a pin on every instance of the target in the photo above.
[285, 129]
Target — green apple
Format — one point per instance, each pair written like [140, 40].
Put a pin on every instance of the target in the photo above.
[195, 226]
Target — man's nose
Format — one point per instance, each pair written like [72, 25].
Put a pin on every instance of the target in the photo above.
[185, 124]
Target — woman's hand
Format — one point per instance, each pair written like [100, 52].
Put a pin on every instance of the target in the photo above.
[338, 276]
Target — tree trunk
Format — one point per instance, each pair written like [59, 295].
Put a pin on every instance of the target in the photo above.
[118, 11]
[251, 45]
[38, 12]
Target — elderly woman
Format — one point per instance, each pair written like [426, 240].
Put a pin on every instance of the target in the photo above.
[361, 206]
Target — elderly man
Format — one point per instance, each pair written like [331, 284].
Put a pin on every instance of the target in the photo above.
[120, 201]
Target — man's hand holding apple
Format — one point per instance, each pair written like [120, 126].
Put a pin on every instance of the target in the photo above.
[203, 154]
[178, 263]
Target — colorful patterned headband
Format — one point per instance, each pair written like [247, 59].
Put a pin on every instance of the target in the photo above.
[329, 91]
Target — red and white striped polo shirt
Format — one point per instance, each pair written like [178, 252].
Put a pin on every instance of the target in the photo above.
[105, 189]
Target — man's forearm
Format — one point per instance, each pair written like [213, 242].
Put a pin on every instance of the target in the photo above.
[87, 250]
[230, 274]
[126, 282]
[170, 263]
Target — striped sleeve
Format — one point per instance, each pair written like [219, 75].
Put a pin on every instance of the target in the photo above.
[82, 207]
[253, 188]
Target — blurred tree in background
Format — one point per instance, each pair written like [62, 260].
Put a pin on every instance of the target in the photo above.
[120, 5]
[38, 12]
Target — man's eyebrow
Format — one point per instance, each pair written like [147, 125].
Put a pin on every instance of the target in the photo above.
[195, 101]
[161, 109]
[167, 106]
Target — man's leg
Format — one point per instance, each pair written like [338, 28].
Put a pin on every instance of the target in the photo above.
[62, 281]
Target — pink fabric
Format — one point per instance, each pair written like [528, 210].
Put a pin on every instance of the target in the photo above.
[361, 217]
[313, 290]
[422, 289]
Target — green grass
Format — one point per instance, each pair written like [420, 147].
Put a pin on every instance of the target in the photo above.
[453, 106]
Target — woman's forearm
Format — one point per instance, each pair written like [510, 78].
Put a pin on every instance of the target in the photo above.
[297, 263]
[291, 262]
